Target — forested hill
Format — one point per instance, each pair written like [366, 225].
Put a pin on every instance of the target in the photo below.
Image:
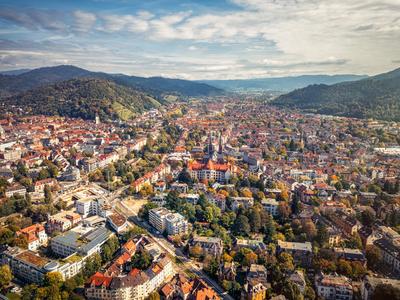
[374, 97]
[82, 98]
[157, 86]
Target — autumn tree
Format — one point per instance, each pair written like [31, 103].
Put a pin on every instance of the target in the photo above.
[5, 276]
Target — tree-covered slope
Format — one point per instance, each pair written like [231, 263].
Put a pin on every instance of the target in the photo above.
[158, 86]
[375, 97]
[82, 98]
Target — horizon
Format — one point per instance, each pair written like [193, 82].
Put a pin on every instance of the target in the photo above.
[199, 40]
[200, 80]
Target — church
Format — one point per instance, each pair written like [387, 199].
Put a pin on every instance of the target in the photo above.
[213, 166]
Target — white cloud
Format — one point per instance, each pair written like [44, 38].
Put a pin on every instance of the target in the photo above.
[84, 21]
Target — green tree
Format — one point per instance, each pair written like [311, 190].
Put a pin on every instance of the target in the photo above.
[141, 260]
[48, 196]
[241, 226]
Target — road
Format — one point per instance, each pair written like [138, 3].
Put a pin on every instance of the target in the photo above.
[184, 264]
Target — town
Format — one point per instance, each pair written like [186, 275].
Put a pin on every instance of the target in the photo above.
[217, 198]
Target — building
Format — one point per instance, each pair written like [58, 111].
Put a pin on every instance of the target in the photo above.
[350, 254]
[182, 287]
[256, 285]
[245, 202]
[333, 287]
[35, 235]
[83, 240]
[213, 167]
[209, 245]
[176, 224]
[301, 252]
[390, 253]
[32, 268]
[117, 222]
[88, 206]
[271, 206]
[62, 221]
[165, 221]
[40, 185]
[369, 283]
[15, 190]
[135, 285]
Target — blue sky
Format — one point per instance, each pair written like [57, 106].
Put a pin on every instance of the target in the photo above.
[207, 39]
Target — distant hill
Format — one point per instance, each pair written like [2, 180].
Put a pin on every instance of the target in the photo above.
[374, 97]
[82, 98]
[158, 86]
[282, 84]
[14, 72]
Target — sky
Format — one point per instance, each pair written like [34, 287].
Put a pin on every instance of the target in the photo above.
[204, 39]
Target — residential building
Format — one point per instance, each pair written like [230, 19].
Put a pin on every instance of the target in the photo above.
[135, 285]
[35, 235]
[390, 253]
[15, 190]
[164, 220]
[210, 245]
[301, 252]
[369, 283]
[333, 287]
[271, 206]
[117, 222]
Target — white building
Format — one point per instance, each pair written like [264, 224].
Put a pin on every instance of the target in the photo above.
[164, 220]
[270, 205]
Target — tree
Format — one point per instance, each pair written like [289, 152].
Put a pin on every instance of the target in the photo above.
[344, 267]
[241, 226]
[5, 276]
[374, 256]
[53, 279]
[283, 210]
[195, 251]
[286, 261]
[309, 229]
[385, 291]
[141, 260]
[154, 296]
[106, 254]
[367, 217]
[48, 197]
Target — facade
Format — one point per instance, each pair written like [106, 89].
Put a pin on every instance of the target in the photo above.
[164, 220]
[369, 283]
[135, 285]
[213, 167]
[390, 253]
[209, 245]
[62, 221]
[333, 287]
[271, 206]
[16, 189]
[35, 235]
[32, 268]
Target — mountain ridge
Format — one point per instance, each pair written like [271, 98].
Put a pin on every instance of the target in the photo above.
[375, 97]
[282, 84]
[158, 86]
